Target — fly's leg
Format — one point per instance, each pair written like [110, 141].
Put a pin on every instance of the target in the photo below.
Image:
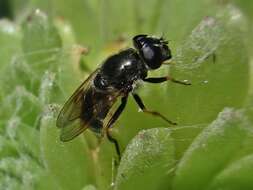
[145, 110]
[112, 121]
[163, 79]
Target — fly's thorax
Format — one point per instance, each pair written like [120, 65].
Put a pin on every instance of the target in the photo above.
[121, 71]
[100, 83]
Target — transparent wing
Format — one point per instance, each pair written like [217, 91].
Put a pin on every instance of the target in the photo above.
[69, 117]
[73, 130]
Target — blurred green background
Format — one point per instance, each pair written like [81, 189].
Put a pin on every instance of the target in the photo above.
[43, 59]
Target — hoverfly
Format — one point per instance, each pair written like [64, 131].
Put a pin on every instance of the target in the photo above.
[90, 104]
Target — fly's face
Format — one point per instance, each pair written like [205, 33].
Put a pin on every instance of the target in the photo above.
[154, 51]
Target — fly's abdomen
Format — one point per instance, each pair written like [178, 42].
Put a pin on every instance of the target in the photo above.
[97, 122]
[96, 106]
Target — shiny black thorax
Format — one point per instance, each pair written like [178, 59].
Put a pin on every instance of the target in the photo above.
[120, 71]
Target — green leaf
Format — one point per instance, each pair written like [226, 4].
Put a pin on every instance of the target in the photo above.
[23, 104]
[63, 160]
[20, 172]
[41, 45]
[7, 148]
[9, 39]
[212, 151]
[207, 59]
[29, 138]
[236, 176]
[10, 46]
[48, 51]
[39, 29]
[148, 161]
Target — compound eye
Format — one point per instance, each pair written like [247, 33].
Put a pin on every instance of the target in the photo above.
[153, 50]
[152, 56]
[148, 53]
[138, 41]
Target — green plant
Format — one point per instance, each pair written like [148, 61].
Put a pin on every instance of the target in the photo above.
[42, 64]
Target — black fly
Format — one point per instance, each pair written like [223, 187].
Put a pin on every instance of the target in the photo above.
[91, 103]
